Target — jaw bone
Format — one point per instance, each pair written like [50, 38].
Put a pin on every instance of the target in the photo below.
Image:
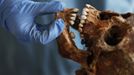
[68, 15]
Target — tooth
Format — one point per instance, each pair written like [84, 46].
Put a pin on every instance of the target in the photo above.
[71, 22]
[73, 18]
[74, 15]
[84, 13]
[89, 6]
[80, 29]
[83, 17]
[133, 28]
[75, 10]
[122, 19]
[82, 21]
[80, 25]
[81, 35]
[86, 9]
[72, 35]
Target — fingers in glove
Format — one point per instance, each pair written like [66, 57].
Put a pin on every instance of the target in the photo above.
[48, 34]
[48, 7]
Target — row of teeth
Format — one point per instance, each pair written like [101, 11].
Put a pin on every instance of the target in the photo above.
[84, 17]
[72, 19]
[73, 16]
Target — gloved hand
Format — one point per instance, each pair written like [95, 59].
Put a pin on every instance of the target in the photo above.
[17, 16]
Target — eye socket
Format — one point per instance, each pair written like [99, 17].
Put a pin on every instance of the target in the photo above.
[107, 15]
[126, 15]
[103, 16]
[114, 35]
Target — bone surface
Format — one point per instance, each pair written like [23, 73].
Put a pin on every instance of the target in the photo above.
[108, 37]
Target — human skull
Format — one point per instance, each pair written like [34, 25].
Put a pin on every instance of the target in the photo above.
[108, 37]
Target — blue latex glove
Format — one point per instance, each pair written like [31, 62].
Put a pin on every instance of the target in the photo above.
[17, 16]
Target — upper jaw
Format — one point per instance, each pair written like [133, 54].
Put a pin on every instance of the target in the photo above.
[89, 14]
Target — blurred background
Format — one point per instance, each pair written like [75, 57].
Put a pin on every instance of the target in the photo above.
[31, 58]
